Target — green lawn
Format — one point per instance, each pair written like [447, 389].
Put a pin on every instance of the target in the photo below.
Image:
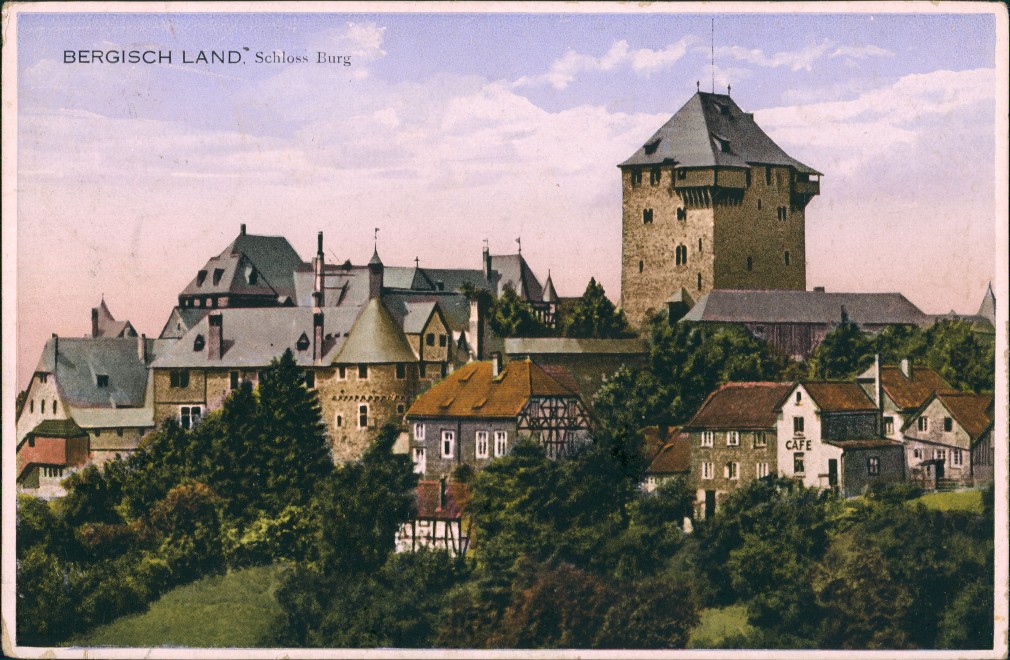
[719, 624]
[965, 500]
[232, 610]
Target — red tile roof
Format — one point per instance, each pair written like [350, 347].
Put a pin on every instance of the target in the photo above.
[969, 409]
[911, 392]
[673, 458]
[428, 506]
[471, 391]
[740, 406]
[839, 397]
[654, 438]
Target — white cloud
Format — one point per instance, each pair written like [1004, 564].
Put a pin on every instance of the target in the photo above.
[643, 61]
[803, 59]
[859, 52]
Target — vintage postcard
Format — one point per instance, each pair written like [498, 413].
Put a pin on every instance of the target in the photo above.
[524, 329]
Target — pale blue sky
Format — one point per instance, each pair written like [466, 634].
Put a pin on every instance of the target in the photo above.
[452, 128]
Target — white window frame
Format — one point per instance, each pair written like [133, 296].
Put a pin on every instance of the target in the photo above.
[917, 453]
[761, 469]
[732, 438]
[873, 466]
[888, 425]
[482, 444]
[501, 443]
[448, 436]
[732, 470]
[707, 438]
[798, 420]
[956, 458]
[419, 431]
[940, 454]
[760, 439]
[707, 470]
[186, 417]
[420, 462]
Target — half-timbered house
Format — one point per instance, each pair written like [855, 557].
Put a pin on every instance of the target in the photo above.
[438, 522]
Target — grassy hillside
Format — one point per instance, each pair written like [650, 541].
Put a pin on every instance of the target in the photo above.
[965, 500]
[232, 610]
[719, 625]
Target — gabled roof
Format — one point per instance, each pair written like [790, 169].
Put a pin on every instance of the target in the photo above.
[908, 392]
[375, 339]
[180, 320]
[674, 457]
[272, 257]
[411, 315]
[455, 307]
[515, 272]
[471, 391]
[550, 295]
[573, 346]
[695, 134]
[108, 326]
[770, 306]
[432, 505]
[81, 360]
[839, 397]
[255, 336]
[740, 406]
[58, 428]
[972, 411]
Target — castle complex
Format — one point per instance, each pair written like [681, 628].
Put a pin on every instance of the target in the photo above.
[711, 202]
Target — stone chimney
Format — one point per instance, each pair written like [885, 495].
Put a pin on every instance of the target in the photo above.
[906, 368]
[495, 364]
[241, 230]
[878, 393]
[476, 333]
[317, 337]
[94, 322]
[318, 287]
[215, 336]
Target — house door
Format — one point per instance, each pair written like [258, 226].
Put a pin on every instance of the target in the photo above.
[833, 472]
[709, 503]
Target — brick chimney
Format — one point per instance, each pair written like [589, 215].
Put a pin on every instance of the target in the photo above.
[215, 336]
[94, 321]
[241, 230]
[317, 337]
[495, 364]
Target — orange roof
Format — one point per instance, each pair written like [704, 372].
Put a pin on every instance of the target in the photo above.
[431, 505]
[654, 438]
[740, 406]
[674, 457]
[839, 397]
[969, 409]
[911, 392]
[471, 391]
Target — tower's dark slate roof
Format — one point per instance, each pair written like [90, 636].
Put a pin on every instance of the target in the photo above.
[693, 137]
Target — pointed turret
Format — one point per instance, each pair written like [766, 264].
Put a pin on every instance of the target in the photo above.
[550, 295]
[375, 275]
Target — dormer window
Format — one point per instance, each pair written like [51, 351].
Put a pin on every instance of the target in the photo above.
[650, 148]
[303, 342]
[218, 273]
[200, 277]
[251, 276]
[102, 380]
[723, 108]
[723, 144]
[199, 343]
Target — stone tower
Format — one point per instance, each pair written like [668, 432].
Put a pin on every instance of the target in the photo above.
[710, 202]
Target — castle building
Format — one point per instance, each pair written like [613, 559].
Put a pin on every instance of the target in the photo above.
[711, 202]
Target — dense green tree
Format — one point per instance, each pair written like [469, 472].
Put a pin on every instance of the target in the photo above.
[844, 353]
[511, 316]
[593, 315]
[656, 612]
[954, 350]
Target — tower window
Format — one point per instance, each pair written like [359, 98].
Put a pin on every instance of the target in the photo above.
[786, 257]
[401, 370]
[681, 255]
[682, 214]
[750, 262]
[699, 246]
[768, 175]
[101, 380]
[636, 177]
[759, 205]
[641, 266]
[699, 281]
[681, 174]
[646, 216]
[655, 176]
[747, 175]
[363, 416]
[783, 213]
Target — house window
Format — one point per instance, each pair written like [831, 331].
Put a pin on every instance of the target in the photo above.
[310, 379]
[956, 458]
[43, 408]
[501, 442]
[706, 470]
[189, 416]
[636, 177]
[782, 213]
[401, 370]
[101, 380]
[948, 425]
[940, 454]
[342, 372]
[363, 416]
[419, 431]
[707, 438]
[785, 257]
[448, 444]
[31, 406]
[119, 432]
[748, 178]
[52, 472]
[400, 409]
[178, 378]
[917, 453]
[54, 406]
[430, 339]
[750, 262]
[799, 397]
[797, 426]
[481, 449]
[445, 367]
[873, 466]
[923, 424]
[646, 216]
[655, 176]
[681, 254]
[760, 440]
[759, 205]
[761, 470]
[768, 175]
[419, 462]
[888, 425]
[442, 341]
[362, 371]
[732, 470]
[424, 370]
[798, 467]
[732, 438]
[682, 214]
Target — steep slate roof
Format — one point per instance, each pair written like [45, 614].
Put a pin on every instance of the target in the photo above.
[910, 392]
[691, 138]
[740, 406]
[471, 391]
[839, 397]
[428, 508]
[572, 346]
[182, 319]
[513, 270]
[411, 315]
[987, 309]
[272, 257]
[375, 339]
[455, 306]
[674, 457]
[550, 295]
[108, 326]
[426, 279]
[255, 336]
[768, 306]
[82, 359]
